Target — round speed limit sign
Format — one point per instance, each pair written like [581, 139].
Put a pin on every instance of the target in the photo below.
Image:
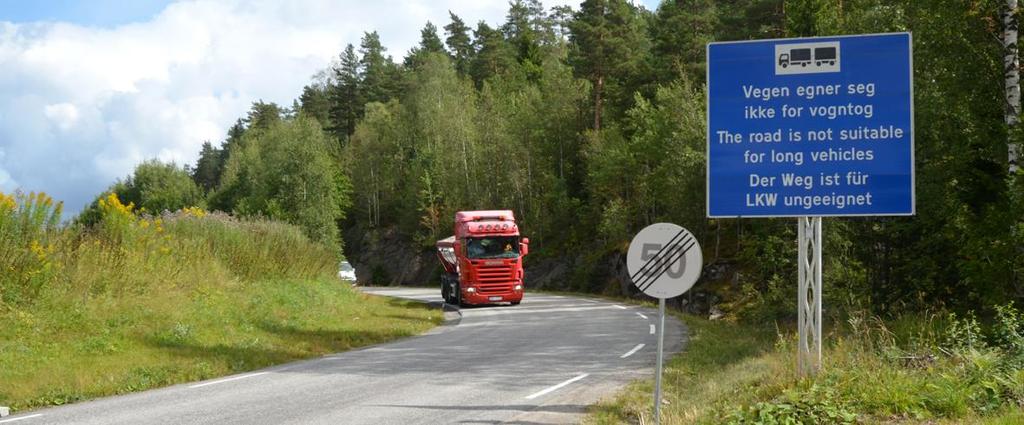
[664, 260]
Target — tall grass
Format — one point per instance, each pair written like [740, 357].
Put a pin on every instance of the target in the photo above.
[131, 252]
[139, 301]
[921, 368]
[29, 230]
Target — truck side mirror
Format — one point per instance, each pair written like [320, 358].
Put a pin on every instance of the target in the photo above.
[458, 248]
[524, 247]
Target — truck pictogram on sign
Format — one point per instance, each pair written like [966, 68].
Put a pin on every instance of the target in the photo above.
[807, 58]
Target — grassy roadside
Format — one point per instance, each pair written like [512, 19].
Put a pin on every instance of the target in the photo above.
[719, 359]
[139, 302]
[916, 370]
[56, 354]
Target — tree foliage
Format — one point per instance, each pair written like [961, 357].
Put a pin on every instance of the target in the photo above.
[589, 122]
[157, 186]
[286, 172]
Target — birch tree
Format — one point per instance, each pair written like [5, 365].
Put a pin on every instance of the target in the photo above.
[1011, 68]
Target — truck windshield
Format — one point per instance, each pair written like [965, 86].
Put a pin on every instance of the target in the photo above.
[493, 247]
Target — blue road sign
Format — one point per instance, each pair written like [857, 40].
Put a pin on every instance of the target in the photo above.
[811, 127]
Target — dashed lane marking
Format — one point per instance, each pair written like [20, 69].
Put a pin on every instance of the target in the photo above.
[4, 421]
[235, 378]
[556, 387]
[631, 352]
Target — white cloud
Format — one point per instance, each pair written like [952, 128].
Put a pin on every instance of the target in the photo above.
[7, 184]
[63, 115]
[80, 106]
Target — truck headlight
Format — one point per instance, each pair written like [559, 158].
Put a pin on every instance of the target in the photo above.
[471, 290]
[518, 287]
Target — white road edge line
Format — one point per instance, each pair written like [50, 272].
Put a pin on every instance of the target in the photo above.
[555, 387]
[652, 329]
[228, 379]
[634, 350]
[620, 307]
[3, 421]
[641, 315]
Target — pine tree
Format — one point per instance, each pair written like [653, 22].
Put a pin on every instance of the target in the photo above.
[459, 44]
[525, 29]
[207, 171]
[233, 144]
[315, 102]
[379, 72]
[429, 43]
[608, 46]
[429, 40]
[346, 97]
[681, 30]
[749, 19]
[493, 54]
[263, 115]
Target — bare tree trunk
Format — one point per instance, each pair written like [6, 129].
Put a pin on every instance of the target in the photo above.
[598, 101]
[465, 166]
[1011, 70]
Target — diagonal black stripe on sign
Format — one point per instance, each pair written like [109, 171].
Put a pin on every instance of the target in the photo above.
[643, 269]
[662, 260]
[658, 263]
[681, 253]
[663, 263]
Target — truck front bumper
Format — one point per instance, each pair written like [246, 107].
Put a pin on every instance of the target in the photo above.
[492, 295]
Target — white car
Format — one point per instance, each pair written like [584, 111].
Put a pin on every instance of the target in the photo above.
[347, 272]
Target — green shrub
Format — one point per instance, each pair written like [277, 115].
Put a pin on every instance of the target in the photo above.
[812, 406]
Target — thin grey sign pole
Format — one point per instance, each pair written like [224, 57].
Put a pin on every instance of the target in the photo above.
[661, 345]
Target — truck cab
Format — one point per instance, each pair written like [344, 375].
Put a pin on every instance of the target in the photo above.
[483, 260]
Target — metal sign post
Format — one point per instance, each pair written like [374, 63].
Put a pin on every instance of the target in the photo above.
[661, 350]
[809, 298]
[664, 261]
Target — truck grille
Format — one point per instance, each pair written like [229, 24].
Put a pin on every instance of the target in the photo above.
[494, 279]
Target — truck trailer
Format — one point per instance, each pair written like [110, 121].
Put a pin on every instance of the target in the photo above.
[483, 260]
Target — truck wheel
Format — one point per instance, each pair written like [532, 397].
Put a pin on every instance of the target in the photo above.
[445, 293]
[515, 302]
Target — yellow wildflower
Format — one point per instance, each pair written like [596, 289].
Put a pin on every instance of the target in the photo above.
[39, 250]
[194, 212]
[7, 202]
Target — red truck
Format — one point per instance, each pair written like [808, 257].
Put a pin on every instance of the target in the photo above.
[483, 261]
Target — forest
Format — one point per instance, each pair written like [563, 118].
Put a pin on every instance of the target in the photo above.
[589, 122]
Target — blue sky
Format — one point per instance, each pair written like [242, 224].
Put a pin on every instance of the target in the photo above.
[97, 13]
[104, 13]
[90, 89]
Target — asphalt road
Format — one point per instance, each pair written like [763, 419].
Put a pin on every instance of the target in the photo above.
[542, 361]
